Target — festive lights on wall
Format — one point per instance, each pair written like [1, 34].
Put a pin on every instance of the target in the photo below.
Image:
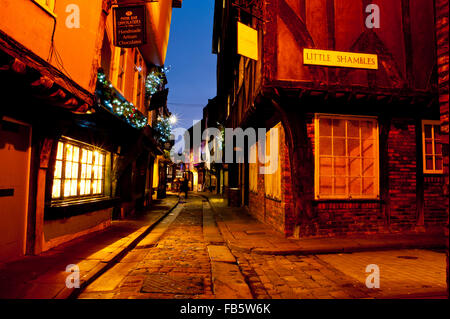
[110, 98]
[155, 81]
[163, 129]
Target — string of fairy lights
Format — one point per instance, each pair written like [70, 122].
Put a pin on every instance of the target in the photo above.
[111, 99]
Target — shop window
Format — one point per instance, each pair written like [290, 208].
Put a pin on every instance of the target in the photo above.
[79, 171]
[253, 168]
[272, 182]
[432, 147]
[346, 157]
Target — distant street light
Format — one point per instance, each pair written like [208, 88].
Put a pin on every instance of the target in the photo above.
[173, 119]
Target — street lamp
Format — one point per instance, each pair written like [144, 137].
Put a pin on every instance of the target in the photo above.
[173, 119]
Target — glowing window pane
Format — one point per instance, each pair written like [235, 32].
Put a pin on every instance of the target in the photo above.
[94, 187]
[76, 154]
[68, 172]
[69, 152]
[95, 172]
[82, 187]
[83, 171]
[58, 169]
[83, 156]
[96, 157]
[89, 157]
[88, 188]
[99, 187]
[101, 159]
[325, 127]
[56, 192]
[89, 171]
[100, 172]
[67, 187]
[74, 170]
[73, 187]
[59, 153]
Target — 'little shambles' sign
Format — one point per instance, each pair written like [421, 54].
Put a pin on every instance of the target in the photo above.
[340, 59]
[129, 26]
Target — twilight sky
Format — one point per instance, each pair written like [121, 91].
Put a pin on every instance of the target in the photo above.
[192, 75]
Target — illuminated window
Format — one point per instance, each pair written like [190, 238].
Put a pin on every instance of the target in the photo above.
[272, 182]
[432, 147]
[346, 157]
[79, 171]
[253, 168]
[48, 5]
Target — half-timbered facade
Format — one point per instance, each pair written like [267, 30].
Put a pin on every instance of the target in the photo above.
[359, 146]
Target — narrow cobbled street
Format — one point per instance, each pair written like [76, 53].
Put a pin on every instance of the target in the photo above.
[186, 256]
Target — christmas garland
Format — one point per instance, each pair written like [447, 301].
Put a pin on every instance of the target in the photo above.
[112, 100]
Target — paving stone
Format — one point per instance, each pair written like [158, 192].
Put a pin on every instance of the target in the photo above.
[220, 254]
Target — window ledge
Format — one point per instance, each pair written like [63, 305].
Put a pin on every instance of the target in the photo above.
[347, 200]
[60, 210]
[273, 198]
[433, 174]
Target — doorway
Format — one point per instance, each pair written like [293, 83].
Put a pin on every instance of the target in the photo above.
[15, 140]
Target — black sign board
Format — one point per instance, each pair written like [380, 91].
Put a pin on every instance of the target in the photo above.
[129, 26]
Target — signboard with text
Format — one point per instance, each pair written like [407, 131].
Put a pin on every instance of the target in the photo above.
[247, 41]
[340, 59]
[129, 26]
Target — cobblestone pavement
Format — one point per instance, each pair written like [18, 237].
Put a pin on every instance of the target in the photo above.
[176, 266]
[173, 262]
[344, 275]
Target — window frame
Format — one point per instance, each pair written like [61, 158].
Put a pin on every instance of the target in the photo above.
[78, 197]
[347, 195]
[433, 123]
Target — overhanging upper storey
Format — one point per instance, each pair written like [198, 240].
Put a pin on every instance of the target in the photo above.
[381, 45]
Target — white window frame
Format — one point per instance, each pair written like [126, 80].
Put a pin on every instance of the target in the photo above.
[424, 164]
[347, 195]
[92, 179]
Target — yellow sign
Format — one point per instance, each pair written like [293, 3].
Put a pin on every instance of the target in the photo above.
[247, 41]
[340, 59]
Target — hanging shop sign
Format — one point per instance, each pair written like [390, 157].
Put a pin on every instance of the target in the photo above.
[247, 41]
[340, 59]
[129, 26]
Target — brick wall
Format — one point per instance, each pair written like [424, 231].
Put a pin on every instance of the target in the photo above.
[348, 218]
[435, 202]
[402, 173]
